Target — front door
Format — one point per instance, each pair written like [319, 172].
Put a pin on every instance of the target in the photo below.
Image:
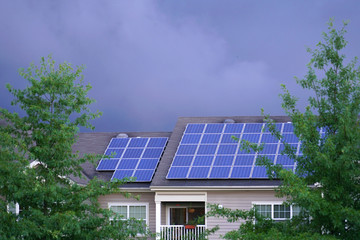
[178, 216]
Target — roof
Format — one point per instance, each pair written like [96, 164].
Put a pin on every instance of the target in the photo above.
[96, 143]
[160, 180]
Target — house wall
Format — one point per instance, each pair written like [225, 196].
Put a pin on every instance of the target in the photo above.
[239, 199]
[147, 197]
[234, 200]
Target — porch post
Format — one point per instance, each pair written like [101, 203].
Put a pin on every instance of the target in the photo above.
[158, 218]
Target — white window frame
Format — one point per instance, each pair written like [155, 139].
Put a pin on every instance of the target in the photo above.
[130, 204]
[168, 209]
[169, 206]
[272, 203]
[17, 208]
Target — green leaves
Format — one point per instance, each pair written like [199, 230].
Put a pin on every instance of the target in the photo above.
[328, 160]
[52, 206]
[326, 183]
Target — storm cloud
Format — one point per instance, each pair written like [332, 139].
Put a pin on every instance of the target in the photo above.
[150, 62]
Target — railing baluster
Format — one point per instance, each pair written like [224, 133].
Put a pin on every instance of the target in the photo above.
[178, 232]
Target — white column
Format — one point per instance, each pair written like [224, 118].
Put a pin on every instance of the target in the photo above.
[158, 218]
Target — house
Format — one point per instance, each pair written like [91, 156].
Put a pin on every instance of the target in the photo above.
[198, 164]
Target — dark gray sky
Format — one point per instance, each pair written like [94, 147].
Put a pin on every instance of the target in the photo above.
[150, 62]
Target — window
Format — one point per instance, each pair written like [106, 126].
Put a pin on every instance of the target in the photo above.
[13, 208]
[277, 210]
[186, 214]
[127, 211]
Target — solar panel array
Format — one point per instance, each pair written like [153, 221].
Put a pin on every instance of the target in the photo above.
[208, 151]
[132, 157]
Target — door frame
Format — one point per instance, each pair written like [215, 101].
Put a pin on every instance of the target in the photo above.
[168, 209]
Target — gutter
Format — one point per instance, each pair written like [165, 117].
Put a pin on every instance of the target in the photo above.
[213, 188]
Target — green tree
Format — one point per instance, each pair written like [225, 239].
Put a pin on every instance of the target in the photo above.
[326, 183]
[52, 206]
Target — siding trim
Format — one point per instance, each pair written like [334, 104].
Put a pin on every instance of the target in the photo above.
[181, 196]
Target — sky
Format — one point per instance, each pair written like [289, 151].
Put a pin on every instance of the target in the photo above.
[150, 62]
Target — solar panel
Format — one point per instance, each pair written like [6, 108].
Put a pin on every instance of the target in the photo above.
[182, 160]
[107, 164]
[195, 128]
[220, 172]
[224, 160]
[241, 172]
[210, 138]
[203, 160]
[199, 172]
[178, 172]
[191, 138]
[132, 157]
[209, 151]
[259, 172]
[214, 128]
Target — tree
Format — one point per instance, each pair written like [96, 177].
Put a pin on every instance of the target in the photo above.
[326, 183]
[52, 206]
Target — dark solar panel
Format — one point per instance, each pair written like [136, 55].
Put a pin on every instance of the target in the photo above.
[227, 149]
[229, 138]
[268, 138]
[132, 157]
[187, 149]
[195, 128]
[119, 174]
[214, 128]
[114, 152]
[220, 172]
[178, 172]
[253, 127]
[199, 172]
[127, 163]
[209, 151]
[244, 160]
[191, 139]
[241, 172]
[234, 128]
[182, 161]
[148, 163]
[259, 172]
[203, 160]
[210, 138]
[108, 164]
[224, 160]
[118, 142]
[143, 175]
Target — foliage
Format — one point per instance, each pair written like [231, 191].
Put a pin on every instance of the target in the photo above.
[52, 206]
[326, 183]
[256, 227]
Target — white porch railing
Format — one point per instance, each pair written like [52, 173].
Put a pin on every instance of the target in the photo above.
[180, 232]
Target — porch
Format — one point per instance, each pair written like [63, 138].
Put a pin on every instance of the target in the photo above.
[180, 216]
[181, 232]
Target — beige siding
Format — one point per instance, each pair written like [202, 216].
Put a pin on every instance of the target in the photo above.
[240, 199]
[234, 200]
[144, 198]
